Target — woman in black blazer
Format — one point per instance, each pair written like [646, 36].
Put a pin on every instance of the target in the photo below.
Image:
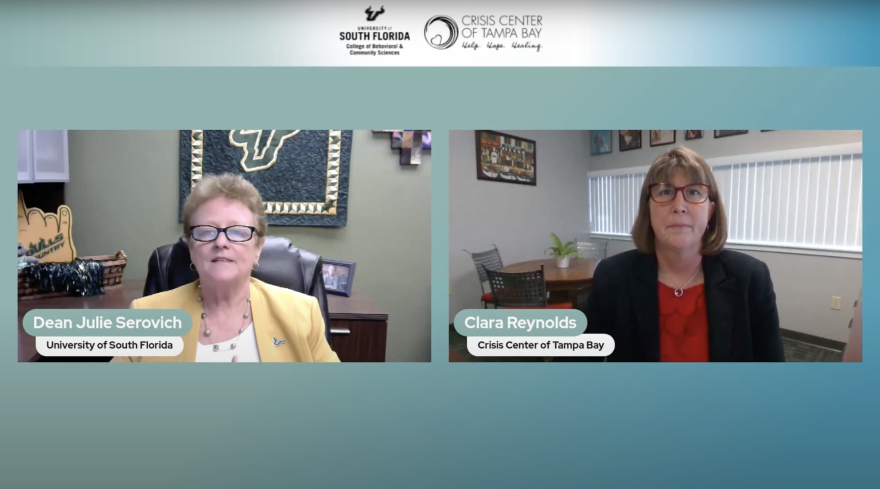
[680, 296]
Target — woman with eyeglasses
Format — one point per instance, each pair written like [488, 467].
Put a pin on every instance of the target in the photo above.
[236, 318]
[680, 296]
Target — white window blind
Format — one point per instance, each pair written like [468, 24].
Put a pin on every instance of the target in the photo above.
[614, 201]
[809, 199]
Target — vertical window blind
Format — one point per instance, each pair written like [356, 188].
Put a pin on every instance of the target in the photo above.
[812, 202]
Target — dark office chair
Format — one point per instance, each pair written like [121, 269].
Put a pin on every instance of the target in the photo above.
[486, 260]
[521, 290]
[281, 264]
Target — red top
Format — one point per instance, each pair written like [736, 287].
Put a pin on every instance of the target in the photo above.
[684, 327]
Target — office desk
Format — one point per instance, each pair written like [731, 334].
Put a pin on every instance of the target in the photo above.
[358, 329]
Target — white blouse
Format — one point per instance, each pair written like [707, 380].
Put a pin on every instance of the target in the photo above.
[245, 349]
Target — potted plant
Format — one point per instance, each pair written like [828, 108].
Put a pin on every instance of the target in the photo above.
[562, 252]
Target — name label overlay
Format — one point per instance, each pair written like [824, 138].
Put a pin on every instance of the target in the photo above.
[108, 332]
[530, 333]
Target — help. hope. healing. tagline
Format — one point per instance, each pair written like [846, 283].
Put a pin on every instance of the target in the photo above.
[108, 332]
[530, 333]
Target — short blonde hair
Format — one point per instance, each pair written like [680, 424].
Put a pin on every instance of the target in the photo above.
[695, 167]
[229, 186]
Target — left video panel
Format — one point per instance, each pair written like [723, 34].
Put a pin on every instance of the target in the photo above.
[224, 246]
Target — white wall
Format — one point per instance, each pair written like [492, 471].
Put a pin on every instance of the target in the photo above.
[517, 218]
[804, 284]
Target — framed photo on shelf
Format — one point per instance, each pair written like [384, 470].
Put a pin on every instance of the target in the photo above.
[338, 277]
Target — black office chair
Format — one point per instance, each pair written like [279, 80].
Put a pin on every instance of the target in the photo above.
[521, 290]
[281, 264]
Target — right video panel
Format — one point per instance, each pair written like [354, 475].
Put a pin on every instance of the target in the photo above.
[655, 245]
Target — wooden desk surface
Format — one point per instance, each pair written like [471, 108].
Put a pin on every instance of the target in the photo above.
[579, 270]
[354, 308]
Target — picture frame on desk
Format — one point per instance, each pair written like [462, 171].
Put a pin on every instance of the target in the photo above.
[338, 277]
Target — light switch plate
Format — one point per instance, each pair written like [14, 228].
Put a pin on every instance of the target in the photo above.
[835, 303]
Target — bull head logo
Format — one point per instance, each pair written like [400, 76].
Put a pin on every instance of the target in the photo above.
[259, 155]
[372, 14]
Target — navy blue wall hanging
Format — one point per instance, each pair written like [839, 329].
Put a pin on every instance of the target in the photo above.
[301, 175]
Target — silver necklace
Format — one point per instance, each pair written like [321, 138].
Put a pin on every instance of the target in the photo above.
[208, 330]
[679, 291]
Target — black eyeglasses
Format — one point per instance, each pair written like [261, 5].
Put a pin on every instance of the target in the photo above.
[695, 193]
[236, 234]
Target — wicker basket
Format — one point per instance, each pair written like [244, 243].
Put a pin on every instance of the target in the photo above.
[114, 265]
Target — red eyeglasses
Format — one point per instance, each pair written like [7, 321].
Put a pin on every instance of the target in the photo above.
[695, 193]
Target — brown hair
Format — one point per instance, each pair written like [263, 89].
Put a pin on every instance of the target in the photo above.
[230, 186]
[695, 167]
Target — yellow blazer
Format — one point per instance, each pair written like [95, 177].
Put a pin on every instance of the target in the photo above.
[277, 312]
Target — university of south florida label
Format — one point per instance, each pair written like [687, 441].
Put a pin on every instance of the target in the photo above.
[108, 332]
[530, 333]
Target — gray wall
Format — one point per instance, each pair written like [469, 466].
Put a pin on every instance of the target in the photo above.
[804, 284]
[517, 218]
[123, 191]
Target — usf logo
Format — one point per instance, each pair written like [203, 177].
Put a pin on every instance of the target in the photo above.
[260, 149]
[373, 14]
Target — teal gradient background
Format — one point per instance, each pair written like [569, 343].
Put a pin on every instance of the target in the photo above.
[441, 424]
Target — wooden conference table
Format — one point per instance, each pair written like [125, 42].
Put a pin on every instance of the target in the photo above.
[564, 284]
[358, 329]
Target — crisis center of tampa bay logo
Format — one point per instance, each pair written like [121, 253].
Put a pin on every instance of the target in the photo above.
[372, 39]
[441, 32]
[497, 33]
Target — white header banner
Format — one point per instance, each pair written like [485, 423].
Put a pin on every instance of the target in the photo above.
[513, 33]
[451, 34]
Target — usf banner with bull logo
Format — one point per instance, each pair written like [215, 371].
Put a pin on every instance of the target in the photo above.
[301, 175]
